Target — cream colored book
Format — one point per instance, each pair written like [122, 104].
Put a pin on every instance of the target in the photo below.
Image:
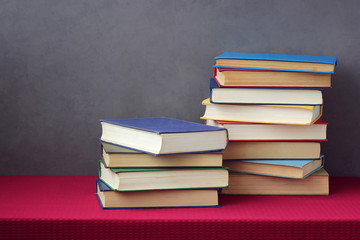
[140, 179]
[276, 114]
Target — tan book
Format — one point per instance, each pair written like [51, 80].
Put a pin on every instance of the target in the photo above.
[157, 198]
[272, 150]
[274, 167]
[240, 131]
[248, 184]
[208, 159]
[248, 78]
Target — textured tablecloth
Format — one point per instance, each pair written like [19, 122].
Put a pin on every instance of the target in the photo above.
[67, 208]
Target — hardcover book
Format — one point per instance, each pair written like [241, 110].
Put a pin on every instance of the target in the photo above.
[140, 179]
[231, 77]
[274, 167]
[272, 150]
[162, 135]
[276, 114]
[139, 159]
[264, 96]
[279, 62]
[110, 199]
[244, 131]
[250, 184]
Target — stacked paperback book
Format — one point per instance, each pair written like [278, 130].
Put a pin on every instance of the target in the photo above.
[271, 105]
[160, 162]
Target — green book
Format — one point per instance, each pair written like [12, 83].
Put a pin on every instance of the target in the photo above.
[139, 179]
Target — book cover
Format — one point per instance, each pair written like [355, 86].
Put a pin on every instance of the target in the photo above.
[161, 125]
[278, 57]
[330, 60]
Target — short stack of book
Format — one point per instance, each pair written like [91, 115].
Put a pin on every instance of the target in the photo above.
[160, 162]
[271, 105]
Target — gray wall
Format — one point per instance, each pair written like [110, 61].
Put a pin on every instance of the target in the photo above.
[66, 64]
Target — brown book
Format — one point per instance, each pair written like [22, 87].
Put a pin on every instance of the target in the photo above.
[248, 184]
[248, 78]
[272, 150]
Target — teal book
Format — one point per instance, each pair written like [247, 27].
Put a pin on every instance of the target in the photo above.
[110, 199]
[141, 179]
[277, 62]
[280, 168]
[161, 135]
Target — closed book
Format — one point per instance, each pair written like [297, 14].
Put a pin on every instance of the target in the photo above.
[140, 179]
[139, 159]
[261, 96]
[275, 167]
[162, 135]
[279, 62]
[244, 131]
[276, 114]
[250, 184]
[231, 77]
[110, 199]
[272, 150]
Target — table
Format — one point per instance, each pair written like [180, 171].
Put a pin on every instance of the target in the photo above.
[44, 207]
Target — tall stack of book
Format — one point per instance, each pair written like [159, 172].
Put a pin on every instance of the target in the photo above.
[271, 105]
[160, 162]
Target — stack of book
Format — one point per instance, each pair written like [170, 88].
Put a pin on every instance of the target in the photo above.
[271, 105]
[160, 162]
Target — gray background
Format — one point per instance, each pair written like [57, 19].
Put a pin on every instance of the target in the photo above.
[66, 64]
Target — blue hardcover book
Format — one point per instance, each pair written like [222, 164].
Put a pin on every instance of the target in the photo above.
[161, 135]
[278, 62]
[264, 96]
[292, 168]
[110, 199]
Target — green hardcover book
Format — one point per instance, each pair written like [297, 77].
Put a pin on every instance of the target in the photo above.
[139, 179]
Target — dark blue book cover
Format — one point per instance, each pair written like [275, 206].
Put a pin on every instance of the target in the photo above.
[162, 125]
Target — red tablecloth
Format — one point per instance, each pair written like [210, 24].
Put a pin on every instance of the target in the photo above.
[67, 208]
